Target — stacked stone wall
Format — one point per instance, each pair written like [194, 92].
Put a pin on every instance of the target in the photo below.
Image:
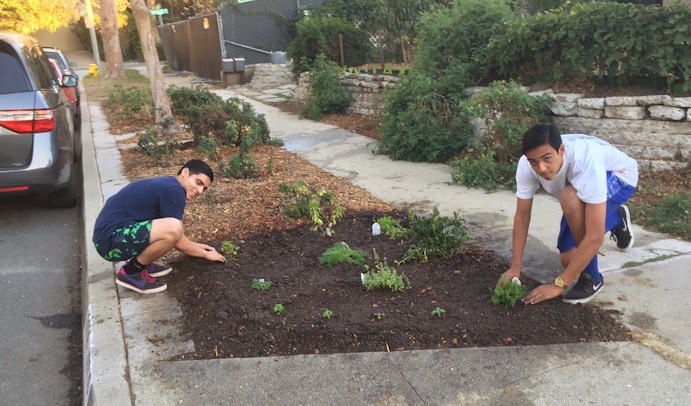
[269, 76]
[654, 129]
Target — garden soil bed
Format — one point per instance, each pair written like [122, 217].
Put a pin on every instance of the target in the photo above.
[225, 317]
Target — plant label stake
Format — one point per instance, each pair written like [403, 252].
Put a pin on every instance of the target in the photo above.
[376, 229]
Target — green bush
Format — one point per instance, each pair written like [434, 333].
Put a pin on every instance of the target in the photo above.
[508, 111]
[160, 141]
[606, 42]
[241, 166]
[422, 120]
[325, 94]
[207, 114]
[392, 227]
[320, 35]
[295, 198]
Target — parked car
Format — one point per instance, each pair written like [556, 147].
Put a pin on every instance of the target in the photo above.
[67, 68]
[71, 92]
[38, 145]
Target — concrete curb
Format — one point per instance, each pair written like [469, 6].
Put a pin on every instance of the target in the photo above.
[105, 376]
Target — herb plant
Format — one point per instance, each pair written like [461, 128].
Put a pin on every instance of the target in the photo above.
[436, 236]
[279, 308]
[261, 284]
[341, 253]
[327, 314]
[229, 249]
[438, 312]
[385, 277]
[392, 228]
[508, 294]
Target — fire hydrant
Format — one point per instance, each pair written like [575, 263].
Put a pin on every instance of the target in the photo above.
[93, 69]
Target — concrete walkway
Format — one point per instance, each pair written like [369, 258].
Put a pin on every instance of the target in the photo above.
[130, 338]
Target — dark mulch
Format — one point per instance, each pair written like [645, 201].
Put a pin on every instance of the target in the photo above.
[226, 318]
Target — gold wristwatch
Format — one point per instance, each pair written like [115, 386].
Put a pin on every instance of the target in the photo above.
[560, 282]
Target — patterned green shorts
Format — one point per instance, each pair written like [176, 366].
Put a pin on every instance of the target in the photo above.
[128, 241]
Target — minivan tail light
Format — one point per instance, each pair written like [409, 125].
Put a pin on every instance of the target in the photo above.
[28, 121]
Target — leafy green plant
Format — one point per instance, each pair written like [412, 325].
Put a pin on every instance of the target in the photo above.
[261, 284]
[319, 35]
[324, 208]
[241, 167]
[508, 111]
[436, 236]
[208, 145]
[325, 94]
[295, 198]
[384, 277]
[378, 315]
[160, 141]
[438, 312]
[327, 314]
[341, 253]
[508, 294]
[392, 227]
[300, 200]
[229, 249]
[279, 308]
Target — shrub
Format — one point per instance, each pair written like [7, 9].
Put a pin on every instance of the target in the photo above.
[508, 111]
[295, 198]
[159, 141]
[228, 121]
[422, 120]
[241, 166]
[325, 94]
[320, 35]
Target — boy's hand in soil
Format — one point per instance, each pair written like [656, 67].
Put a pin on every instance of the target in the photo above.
[509, 275]
[542, 293]
[211, 254]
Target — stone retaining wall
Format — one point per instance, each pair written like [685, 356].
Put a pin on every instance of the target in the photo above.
[655, 130]
[268, 76]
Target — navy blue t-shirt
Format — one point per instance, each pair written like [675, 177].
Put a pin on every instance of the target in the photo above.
[141, 200]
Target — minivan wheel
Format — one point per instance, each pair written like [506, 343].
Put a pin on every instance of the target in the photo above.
[66, 197]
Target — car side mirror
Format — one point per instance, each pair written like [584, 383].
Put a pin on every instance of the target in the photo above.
[69, 81]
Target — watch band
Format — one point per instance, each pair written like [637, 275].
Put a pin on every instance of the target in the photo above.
[560, 282]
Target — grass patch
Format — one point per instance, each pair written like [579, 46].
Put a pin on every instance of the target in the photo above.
[670, 214]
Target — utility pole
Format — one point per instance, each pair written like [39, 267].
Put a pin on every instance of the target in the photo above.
[89, 22]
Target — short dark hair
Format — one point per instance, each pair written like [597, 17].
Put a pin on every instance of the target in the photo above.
[198, 166]
[541, 134]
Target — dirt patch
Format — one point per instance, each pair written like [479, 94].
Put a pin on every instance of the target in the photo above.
[225, 317]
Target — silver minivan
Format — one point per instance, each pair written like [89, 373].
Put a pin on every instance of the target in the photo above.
[38, 144]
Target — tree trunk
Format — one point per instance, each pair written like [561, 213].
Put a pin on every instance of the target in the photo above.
[153, 65]
[111, 40]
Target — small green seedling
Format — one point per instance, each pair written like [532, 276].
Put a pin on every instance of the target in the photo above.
[327, 314]
[508, 294]
[392, 228]
[378, 315]
[229, 249]
[438, 312]
[261, 284]
[279, 308]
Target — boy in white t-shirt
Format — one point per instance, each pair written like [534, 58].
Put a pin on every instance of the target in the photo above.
[591, 179]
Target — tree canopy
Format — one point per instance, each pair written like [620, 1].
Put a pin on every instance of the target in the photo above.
[27, 16]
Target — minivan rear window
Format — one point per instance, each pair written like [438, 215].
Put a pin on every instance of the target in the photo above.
[12, 77]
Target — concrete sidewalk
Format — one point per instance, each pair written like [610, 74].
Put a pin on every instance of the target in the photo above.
[130, 338]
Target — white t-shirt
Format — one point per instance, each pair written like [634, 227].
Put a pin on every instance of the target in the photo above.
[587, 160]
